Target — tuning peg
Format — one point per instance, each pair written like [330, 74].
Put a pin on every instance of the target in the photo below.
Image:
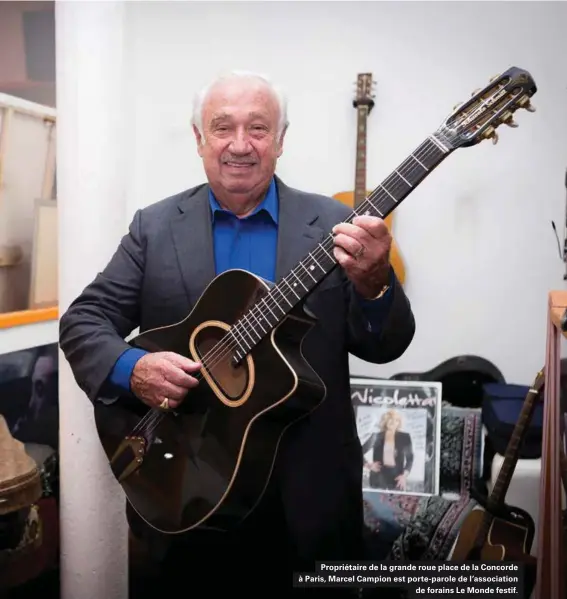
[525, 103]
[457, 105]
[508, 119]
[476, 91]
[490, 133]
[494, 77]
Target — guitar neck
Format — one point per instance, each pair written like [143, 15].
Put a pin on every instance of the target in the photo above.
[360, 163]
[512, 454]
[270, 310]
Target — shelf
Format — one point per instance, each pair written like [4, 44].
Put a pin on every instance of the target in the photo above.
[28, 328]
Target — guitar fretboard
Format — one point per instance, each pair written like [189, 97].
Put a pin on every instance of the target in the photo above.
[360, 171]
[498, 495]
[270, 310]
[502, 483]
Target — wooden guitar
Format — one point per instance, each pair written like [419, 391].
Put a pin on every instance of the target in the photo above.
[491, 534]
[364, 103]
[208, 463]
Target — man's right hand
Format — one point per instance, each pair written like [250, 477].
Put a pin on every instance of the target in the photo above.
[161, 375]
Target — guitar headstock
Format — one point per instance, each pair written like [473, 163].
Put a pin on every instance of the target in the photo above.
[364, 91]
[488, 108]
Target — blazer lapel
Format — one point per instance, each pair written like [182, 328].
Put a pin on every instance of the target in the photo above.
[191, 228]
[298, 231]
[193, 241]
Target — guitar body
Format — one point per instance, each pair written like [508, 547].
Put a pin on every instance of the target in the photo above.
[505, 541]
[347, 198]
[209, 463]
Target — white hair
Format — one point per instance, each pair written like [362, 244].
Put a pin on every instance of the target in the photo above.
[278, 93]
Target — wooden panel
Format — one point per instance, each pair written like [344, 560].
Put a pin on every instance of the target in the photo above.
[550, 544]
[44, 279]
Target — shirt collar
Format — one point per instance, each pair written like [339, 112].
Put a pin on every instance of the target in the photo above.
[269, 204]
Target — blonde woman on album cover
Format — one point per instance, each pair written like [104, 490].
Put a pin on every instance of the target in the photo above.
[392, 454]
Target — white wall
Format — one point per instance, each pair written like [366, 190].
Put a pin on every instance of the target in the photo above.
[476, 236]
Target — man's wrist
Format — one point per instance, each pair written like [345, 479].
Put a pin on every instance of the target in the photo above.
[378, 288]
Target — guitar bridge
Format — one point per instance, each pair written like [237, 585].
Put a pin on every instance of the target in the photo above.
[128, 457]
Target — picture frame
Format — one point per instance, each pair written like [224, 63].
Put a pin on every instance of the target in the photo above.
[399, 427]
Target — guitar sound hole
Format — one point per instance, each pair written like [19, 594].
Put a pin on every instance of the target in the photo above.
[230, 378]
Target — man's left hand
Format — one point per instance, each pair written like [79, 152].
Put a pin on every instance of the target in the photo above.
[362, 248]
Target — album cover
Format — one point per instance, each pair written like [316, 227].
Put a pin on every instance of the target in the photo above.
[398, 424]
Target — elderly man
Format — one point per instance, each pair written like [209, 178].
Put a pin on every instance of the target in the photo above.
[246, 217]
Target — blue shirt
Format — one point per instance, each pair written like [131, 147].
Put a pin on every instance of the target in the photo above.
[248, 243]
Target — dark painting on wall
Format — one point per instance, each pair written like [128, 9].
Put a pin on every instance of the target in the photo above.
[29, 399]
[29, 534]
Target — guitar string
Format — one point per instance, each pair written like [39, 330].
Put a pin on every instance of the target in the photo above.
[230, 342]
[327, 251]
[153, 417]
[223, 345]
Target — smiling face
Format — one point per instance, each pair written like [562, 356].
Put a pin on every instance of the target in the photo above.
[390, 421]
[240, 144]
[392, 424]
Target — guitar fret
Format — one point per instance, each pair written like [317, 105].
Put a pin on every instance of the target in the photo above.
[403, 178]
[375, 208]
[403, 186]
[325, 260]
[233, 335]
[317, 263]
[307, 271]
[236, 329]
[251, 327]
[300, 281]
[271, 312]
[258, 321]
[263, 315]
[331, 258]
[419, 162]
[243, 338]
[393, 198]
[292, 289]
[247, 329]
[283, 295]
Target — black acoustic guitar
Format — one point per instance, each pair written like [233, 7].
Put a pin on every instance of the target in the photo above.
[501, 532]
[207, 464]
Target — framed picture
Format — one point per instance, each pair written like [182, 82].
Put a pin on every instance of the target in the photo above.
[399, 425]
[29, 395]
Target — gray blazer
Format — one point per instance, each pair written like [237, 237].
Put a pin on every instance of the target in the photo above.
[156, 275]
